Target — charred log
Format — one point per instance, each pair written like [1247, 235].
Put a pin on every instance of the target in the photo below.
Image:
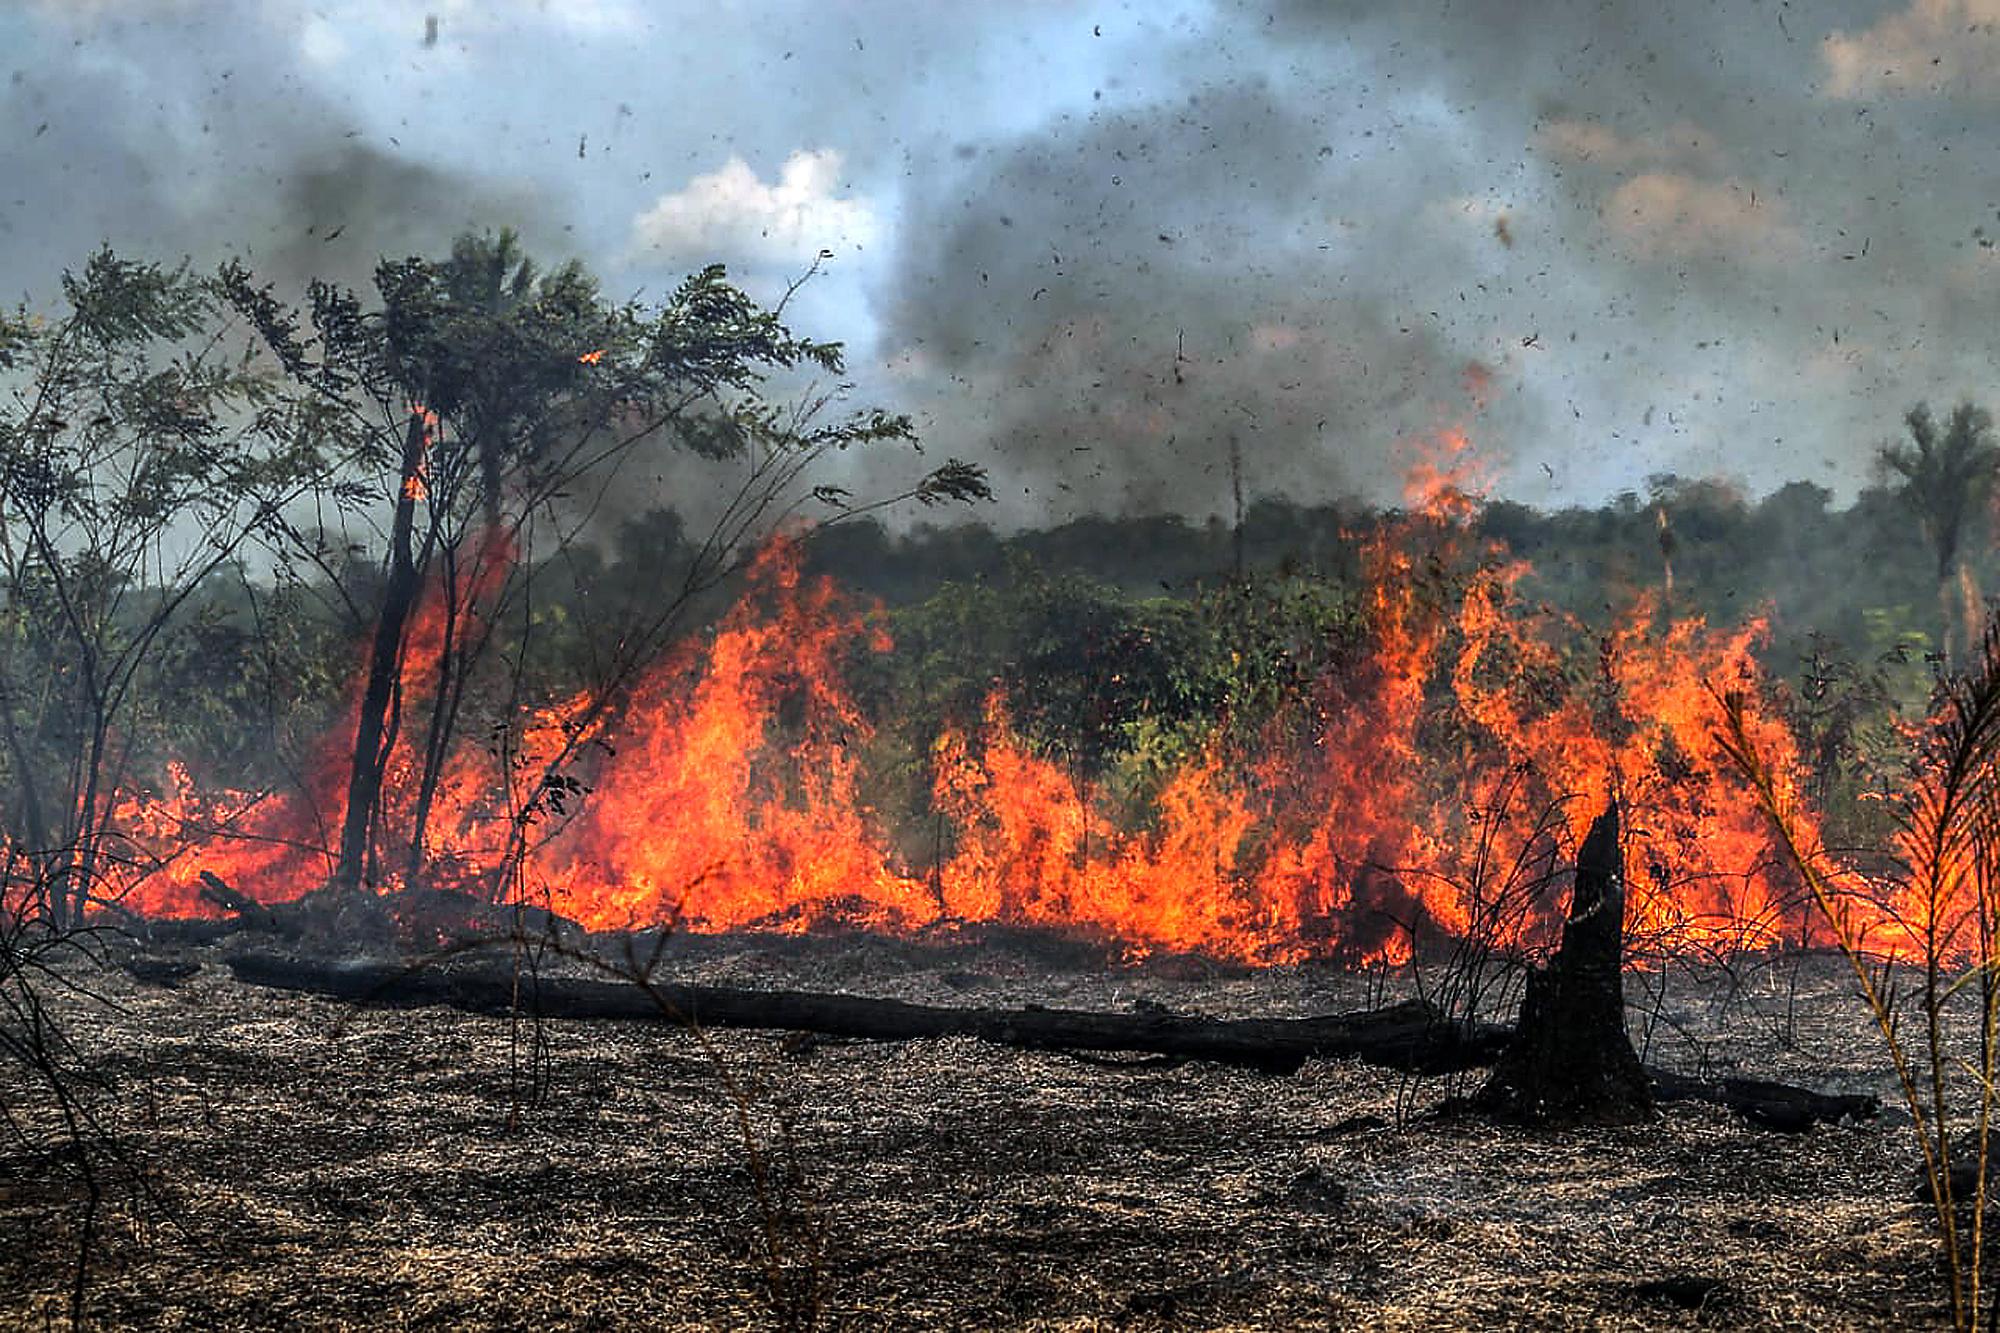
[1768, 1105]
[1411, 1036]
[244, 913]
[252, 914]
[411, 919]
[1571, 1061]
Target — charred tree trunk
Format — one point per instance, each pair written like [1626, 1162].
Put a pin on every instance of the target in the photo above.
[372, 736]
[444, 710]
[1571, 1062]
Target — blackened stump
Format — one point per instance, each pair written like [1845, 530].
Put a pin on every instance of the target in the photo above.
[1571, 1062]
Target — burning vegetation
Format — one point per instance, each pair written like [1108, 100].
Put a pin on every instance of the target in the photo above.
[1348, 763]
[338, 617]
[727, 792]
[1378, 802]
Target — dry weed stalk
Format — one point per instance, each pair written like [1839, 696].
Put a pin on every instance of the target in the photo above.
[1936, 911]
[791, 1241]
[52, 1116]
[1508, 889]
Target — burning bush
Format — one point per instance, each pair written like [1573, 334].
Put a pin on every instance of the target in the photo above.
[1248, 776]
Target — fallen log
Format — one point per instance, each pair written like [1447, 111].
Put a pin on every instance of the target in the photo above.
[1412, 1036]
[252, 914]
[1778, 1106]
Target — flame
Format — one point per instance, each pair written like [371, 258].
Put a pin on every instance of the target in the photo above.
[279, 845]
[417, 485]
[1386, 806]
[592, 358]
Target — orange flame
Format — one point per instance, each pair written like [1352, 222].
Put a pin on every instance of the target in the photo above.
[729, 790]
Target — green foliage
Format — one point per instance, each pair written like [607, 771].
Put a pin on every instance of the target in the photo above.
[534, 376]
[1121, 689]
[1076, 661]
[136, 460]
[1946, 473]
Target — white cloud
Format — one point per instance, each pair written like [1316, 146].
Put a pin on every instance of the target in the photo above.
[732, 213]
[321, 43]
[1668, 215]
[1934, 46]
[1591, 142]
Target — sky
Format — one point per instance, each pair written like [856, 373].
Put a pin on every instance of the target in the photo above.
[1106, 248]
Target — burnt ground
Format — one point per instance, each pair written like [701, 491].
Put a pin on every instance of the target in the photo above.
[310, 1165]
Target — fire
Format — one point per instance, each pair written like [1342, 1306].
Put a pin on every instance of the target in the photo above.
[1034, 850]
[740, 821]
[1402, 802]
[279, 845]
[592, 358]
[417, 485]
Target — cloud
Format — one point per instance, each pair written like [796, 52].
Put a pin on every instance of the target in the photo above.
[321, 43]
[1668, 215]
[733, 213]
[1121, 310]
[1593, 143]
[1934, 46]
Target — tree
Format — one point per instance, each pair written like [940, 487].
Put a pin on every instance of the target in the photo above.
[139, 456]
[1946, 476]
[490, 396]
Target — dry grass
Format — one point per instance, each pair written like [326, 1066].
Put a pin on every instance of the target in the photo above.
[324, 1168]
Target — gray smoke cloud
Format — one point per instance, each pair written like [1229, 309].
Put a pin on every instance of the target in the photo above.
[1140, 293]
[1103, 250]
[191, 131]
[1681, 239]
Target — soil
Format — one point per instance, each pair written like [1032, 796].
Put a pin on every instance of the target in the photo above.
[292, 1162]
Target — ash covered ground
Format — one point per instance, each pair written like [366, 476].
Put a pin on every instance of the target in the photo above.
[306, 1164]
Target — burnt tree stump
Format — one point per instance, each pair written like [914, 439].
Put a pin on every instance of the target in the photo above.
[1571, 1061]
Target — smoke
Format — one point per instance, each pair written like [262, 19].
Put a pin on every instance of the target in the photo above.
[1671, 237]
[340, 206]
[1136, 297]
[1109, 253]
[193, 132]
